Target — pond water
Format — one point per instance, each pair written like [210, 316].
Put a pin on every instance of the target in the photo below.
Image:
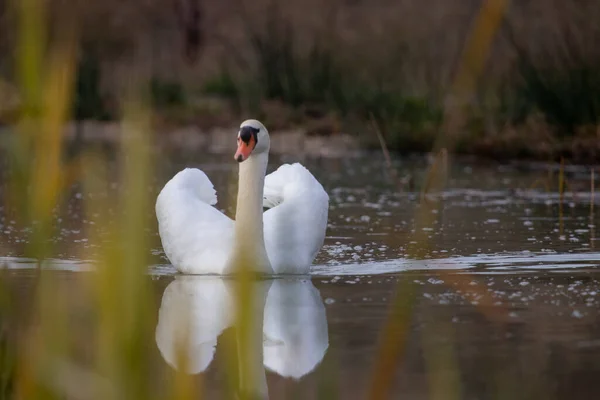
[504, 300]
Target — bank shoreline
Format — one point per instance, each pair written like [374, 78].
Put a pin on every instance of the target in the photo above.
[522, 147]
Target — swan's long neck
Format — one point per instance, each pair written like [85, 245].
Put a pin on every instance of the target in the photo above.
[249, 241]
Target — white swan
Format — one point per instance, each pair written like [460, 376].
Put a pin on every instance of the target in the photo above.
[195, 310]
[285, 239]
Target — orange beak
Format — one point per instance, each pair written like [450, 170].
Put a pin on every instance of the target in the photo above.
[244, 149]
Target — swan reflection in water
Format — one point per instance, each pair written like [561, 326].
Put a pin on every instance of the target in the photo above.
[195, 310]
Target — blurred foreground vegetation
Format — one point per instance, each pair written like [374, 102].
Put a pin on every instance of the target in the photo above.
[335, 66]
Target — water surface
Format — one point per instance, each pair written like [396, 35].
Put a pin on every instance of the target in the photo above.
[505, 298]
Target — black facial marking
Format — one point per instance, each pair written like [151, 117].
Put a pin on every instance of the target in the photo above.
[247, 132]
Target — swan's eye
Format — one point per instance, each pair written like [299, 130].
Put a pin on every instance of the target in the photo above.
[247, 133]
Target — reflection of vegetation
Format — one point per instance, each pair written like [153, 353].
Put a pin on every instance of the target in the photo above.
[7, 368]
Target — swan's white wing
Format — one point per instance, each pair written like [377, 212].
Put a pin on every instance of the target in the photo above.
[197, 238]
[295, 328]
[194, 311]
[295, 227]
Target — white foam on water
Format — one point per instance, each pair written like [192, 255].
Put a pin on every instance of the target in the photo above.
[478, 264]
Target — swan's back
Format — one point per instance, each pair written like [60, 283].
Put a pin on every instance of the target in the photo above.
[295, 226]
[196, 236]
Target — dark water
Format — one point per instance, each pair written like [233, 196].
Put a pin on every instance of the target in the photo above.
[504, 302]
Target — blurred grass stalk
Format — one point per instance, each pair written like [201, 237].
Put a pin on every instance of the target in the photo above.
[119, 284]
[46, 79]
[470, 68]
[441, 360]
[119, 288]
[394, 336]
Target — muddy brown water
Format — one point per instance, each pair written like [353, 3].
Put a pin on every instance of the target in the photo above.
[506, 295]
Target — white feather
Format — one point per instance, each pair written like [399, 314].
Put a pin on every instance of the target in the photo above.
[199, 239]
[295, 228]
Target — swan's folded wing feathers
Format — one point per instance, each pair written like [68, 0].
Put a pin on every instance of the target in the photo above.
[198, 183]
[295, 228]
[287, 178]
[271, 197]
[274, 185]
[195, 235]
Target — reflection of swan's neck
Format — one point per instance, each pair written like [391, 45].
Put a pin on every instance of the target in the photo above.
[249, 241]
[252, 375]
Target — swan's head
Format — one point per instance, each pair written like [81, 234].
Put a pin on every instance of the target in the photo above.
[253, 138]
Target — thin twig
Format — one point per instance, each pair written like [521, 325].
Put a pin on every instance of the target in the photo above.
[561, 189]
[393, 341]
[384, 149]
[592, 192]
[592, 226]
[433, 179]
